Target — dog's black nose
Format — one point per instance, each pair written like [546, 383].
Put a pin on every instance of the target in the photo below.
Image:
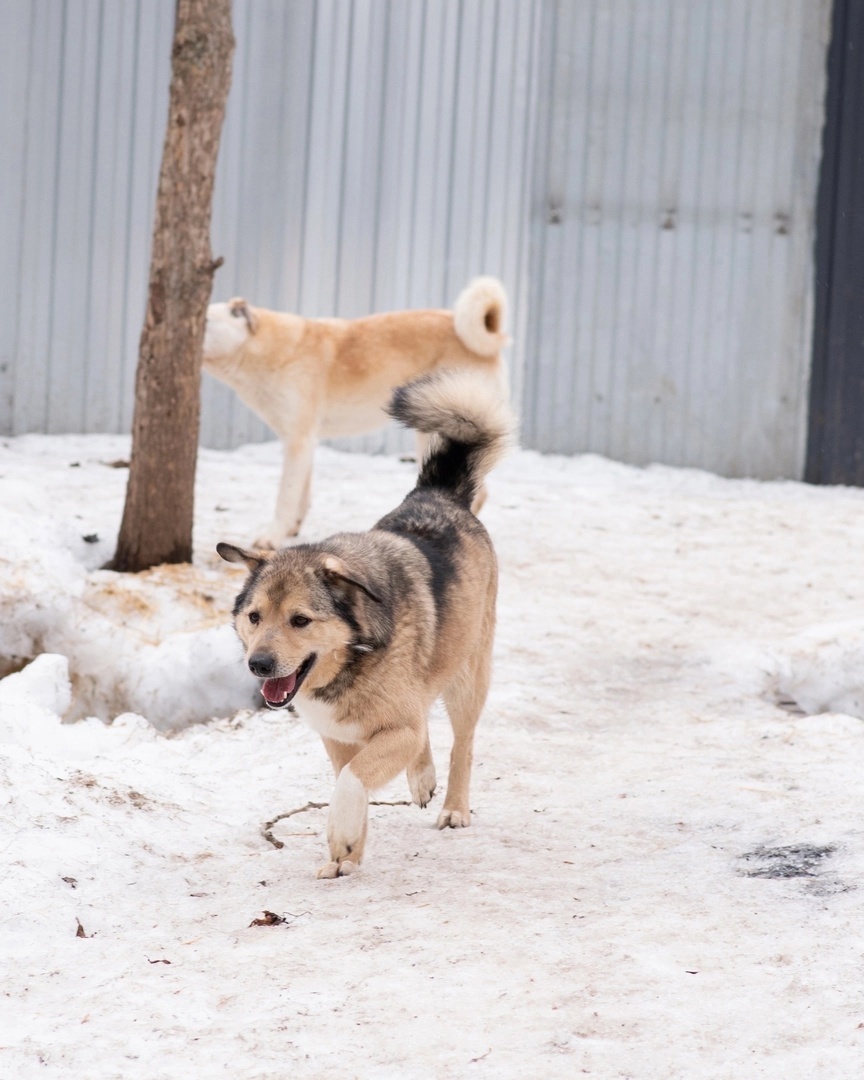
[262, 664]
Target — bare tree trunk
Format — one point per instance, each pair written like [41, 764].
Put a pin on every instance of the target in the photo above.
[157, 517]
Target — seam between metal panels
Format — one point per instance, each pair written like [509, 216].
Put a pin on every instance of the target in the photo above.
[687, 369]
[415, 163]
[526, 199]
[340, 235]
[602, 176]
[739, 149]
[660, 437]
[379, 170]
[22, 209]
[490, 128]
[453, 124]
[55, 212]
[313, 55]
[94, 162]
[615, 336]
[124, 320]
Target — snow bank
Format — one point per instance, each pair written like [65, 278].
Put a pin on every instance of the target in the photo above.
[157, 643]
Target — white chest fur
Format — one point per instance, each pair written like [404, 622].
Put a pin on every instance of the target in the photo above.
[321, 717]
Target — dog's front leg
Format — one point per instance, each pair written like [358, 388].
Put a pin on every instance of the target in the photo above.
[383, 757]
[295, 487]
[346, 825]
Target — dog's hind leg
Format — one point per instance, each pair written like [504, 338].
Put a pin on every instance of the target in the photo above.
[385, 755]
[295, 486]
[464, 696]
[421, 776]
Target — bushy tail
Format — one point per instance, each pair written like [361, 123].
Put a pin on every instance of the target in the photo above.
[479, 316]
[470, 422]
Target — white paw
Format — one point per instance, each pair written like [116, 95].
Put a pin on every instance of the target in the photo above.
[264, 542]
[335, 869]
[454, 819]
[272, 537]
[422, 785]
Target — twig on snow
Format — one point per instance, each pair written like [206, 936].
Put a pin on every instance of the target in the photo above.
[267, 827]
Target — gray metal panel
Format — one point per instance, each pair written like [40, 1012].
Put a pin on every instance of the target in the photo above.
[15, 88]
[40, 182]
[335, 190]
[672, 209]
[378, 153]
[84, 103]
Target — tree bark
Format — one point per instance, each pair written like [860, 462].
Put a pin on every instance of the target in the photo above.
[157, 516]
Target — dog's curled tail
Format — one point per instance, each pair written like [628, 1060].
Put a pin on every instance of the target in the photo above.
[479, 316]
[471, 424]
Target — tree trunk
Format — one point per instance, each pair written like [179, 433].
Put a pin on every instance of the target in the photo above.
[157, 517]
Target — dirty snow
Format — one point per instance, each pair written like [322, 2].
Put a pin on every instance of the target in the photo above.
[663, 875]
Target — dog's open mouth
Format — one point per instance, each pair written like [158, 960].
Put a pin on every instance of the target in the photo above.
[278, 693]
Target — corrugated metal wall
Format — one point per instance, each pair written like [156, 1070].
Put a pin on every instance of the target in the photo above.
[672, 230]
[375, 156]
[660, 155]
[83, 109]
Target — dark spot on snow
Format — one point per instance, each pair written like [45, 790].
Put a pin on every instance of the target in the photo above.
[80, 931]
[822, 886]
[792, 861]
[74, 464]
[91, 538]
[71, 881]
[10, 664]
[790, 705]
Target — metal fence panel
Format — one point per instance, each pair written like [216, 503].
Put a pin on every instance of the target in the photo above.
[354, 176]
[660, 155]
[672, 230]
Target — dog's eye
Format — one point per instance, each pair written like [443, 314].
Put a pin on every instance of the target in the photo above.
[254, 618]
[299, 621]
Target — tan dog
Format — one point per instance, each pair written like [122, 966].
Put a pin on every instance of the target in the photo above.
[366, 630]
[321, 378]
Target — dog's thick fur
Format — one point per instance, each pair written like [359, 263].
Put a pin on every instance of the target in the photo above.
[321, 378]
[368, 629]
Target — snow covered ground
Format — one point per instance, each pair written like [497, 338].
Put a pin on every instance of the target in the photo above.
[663, 875]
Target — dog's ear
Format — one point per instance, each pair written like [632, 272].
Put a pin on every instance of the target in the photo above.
[253, 559]
[241, 310]
[335, 571]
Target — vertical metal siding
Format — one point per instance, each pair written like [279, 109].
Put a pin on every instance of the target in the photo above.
[672, 229]
[354, 176]
[85, 90]
[661, 156]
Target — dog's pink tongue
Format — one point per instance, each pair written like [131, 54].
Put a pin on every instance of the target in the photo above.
[277, 690]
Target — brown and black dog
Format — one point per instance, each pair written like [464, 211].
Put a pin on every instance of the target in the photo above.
[366, 630]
